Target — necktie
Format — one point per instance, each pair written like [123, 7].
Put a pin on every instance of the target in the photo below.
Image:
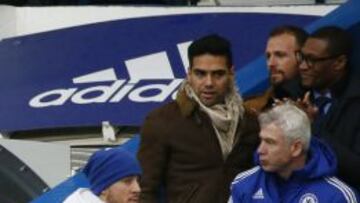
[320, 102]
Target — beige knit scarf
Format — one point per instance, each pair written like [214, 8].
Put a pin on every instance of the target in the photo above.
[224, 117]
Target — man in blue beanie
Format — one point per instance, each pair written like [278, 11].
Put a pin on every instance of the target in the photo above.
[113, 175]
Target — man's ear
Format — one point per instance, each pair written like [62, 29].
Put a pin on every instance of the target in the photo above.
[188, 73]
[340, 63]
[104, 195]
[232, 70]
[296, 148]
[189, 70]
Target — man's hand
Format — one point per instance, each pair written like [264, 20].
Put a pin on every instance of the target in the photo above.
[304, 104]
[309, 108]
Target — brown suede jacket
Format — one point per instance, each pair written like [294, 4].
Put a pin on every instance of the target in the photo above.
[180, 152]
[260, 102]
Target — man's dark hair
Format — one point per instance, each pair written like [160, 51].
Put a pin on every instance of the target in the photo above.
[299, 33]
[338, 39]
[210, 44]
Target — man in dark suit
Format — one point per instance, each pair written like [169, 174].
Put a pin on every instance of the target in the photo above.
[335, 91]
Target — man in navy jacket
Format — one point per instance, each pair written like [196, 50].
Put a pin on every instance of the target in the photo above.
[293, 166]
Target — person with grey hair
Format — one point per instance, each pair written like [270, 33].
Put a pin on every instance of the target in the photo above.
[294, 167]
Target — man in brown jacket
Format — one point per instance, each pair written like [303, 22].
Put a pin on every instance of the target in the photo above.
[193, 147]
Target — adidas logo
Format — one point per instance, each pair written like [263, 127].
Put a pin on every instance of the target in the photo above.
[148, 68]
[258, 195]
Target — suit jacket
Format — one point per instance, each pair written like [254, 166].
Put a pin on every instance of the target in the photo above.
[180, 151]
[341, 128]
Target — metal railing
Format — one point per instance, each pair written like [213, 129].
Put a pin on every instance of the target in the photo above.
[266, 2]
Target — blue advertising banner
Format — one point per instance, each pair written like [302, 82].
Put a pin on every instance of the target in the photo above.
[115, 71]
[120, 70]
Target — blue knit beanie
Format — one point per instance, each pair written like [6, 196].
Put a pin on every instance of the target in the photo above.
[105, 167]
